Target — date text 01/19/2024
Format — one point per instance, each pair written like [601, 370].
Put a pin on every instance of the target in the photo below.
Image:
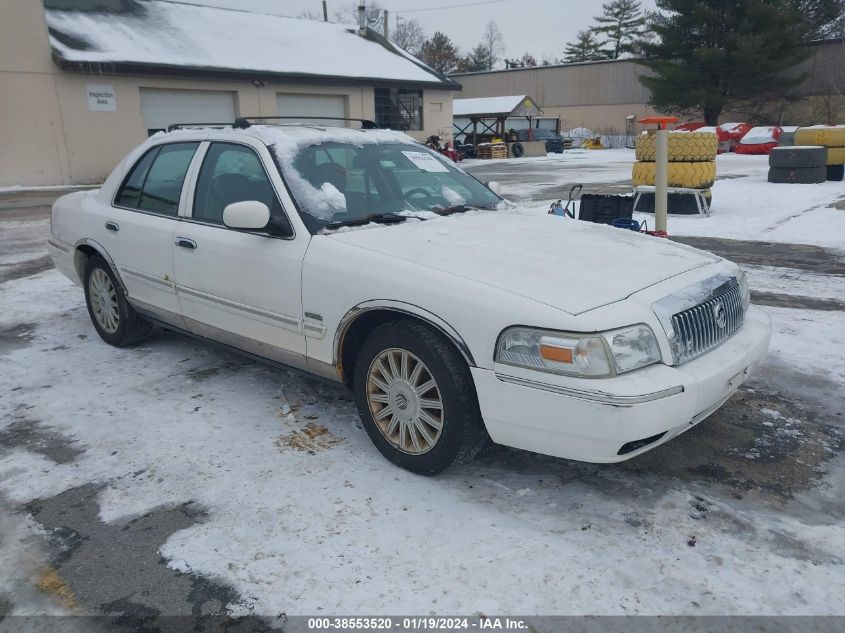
[430, 623]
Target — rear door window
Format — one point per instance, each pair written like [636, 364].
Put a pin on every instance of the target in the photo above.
[155, 183]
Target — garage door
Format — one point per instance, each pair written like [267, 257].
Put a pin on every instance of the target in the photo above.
[312, 105]
[161, 108]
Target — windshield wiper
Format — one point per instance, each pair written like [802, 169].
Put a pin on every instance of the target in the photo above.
[461, 208]
[458, 208]
[381, 218]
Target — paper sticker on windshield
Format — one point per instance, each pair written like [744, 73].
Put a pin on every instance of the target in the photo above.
[426, 162]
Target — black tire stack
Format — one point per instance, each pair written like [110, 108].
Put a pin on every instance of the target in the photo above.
[798, 165]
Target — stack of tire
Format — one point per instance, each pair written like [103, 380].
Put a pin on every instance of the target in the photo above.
[692, 165]
[833, 140]
[799, 164]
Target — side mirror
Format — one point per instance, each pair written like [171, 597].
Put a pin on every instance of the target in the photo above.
[495, 187]
[249, 214]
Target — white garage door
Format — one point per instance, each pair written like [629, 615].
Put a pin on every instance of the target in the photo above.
[312, 105]
[161, 108]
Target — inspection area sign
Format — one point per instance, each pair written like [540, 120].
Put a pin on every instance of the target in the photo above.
[101, 98]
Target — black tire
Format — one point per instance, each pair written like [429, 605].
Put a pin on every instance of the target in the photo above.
[800, 157]
[131, 327]
[797, 175]
[835, 172]
[518, 150]
[463, 433]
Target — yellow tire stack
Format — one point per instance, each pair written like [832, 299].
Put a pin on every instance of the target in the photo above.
[832, 139]
[692, 160]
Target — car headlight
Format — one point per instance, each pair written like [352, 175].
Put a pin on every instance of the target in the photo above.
[589, 355]
[744, 290]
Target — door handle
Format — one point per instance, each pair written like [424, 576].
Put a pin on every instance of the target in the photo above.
[184, 242]
[112, 226]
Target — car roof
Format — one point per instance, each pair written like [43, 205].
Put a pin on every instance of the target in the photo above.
[270, 134]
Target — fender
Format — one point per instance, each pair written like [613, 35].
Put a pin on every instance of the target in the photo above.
[105, 255]
[404, 308]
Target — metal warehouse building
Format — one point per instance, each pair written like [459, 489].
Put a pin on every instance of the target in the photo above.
[82, 82]
[600, 95]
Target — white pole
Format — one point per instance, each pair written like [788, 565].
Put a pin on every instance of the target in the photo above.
[661, 178]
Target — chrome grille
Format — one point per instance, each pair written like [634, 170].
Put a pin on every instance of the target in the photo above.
[706, 325]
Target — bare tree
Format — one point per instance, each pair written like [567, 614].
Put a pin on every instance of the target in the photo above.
[548, 59]
[493, 43]
[409, 36]
[310, 15]
[373, 14]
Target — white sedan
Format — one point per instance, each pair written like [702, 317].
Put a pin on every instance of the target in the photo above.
[364, 258]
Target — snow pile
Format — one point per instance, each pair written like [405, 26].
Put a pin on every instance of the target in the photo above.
[332, 196]
[452, 197]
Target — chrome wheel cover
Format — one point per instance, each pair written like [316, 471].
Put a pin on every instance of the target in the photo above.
[405, 401]
[103, 299]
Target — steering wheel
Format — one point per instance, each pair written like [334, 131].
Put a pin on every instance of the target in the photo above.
[418, 191]
[425, 198]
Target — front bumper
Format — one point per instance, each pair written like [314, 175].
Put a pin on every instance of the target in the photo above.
[603, 420]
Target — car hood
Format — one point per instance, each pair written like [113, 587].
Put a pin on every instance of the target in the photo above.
[571, 265]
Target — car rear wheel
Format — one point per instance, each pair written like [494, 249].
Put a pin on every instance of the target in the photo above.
[113, 318]
[416, 398]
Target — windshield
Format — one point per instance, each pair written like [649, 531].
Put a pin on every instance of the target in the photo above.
[340, 183]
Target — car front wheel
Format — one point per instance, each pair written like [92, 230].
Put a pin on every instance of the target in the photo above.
[115, 320]
[416, 398]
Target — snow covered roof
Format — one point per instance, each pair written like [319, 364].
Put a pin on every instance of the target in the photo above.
[158, 35]
[513, 105]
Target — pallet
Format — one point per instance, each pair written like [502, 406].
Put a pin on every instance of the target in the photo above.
[493, 150]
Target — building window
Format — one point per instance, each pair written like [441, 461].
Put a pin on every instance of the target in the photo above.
[399, 109]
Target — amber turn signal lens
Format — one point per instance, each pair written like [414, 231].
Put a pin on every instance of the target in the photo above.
[556, 354]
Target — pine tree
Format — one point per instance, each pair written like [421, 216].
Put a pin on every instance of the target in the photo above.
[439, 53]
[585, 49]
[716, 54]
[477, 60]
[621, 25]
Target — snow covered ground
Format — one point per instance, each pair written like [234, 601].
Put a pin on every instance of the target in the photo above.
[297, 512]
[304, 516]
[745, 205]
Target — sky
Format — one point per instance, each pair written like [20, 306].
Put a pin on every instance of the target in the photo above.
[541, 27]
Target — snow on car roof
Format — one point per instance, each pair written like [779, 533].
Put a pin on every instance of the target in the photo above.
[168, 34]
[284, 137]
[292, 136]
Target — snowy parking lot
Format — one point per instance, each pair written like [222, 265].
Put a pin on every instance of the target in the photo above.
[173, 478]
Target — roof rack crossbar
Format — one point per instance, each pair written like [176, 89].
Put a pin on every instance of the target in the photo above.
[246, 121]
[179, 126]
